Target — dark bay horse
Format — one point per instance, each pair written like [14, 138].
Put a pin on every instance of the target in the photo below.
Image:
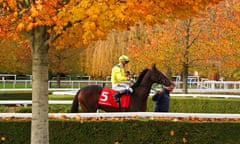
[89, 95]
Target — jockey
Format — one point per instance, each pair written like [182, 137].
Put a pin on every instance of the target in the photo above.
[119, 78]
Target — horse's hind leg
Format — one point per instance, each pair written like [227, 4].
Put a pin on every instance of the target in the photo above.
[83, 107]
[88, 98]
[87, 108]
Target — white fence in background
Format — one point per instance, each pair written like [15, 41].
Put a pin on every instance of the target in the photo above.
[195, 86]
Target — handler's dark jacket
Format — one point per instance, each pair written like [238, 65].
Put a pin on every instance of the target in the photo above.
[162, 101]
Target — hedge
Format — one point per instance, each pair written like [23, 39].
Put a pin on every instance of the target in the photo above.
[125, 132]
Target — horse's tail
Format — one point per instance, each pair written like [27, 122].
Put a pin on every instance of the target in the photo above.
[74, 108]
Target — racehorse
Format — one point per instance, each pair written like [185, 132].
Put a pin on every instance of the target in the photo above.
[89, 96]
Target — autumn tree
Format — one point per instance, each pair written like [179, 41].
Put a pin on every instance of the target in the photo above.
[170, 45]
[223, 32]
[8, 60]
[58, 21]
[103, 54]
[210, 41]
[63, 61]
[23, 56]
[15, 57]
[197, 43]
[187, 35]
[153, 44]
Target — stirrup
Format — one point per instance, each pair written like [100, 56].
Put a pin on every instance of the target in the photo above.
[116, 96]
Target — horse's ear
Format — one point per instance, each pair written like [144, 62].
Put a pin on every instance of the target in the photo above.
[153, 66]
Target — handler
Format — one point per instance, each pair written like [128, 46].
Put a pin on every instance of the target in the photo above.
[162, 99]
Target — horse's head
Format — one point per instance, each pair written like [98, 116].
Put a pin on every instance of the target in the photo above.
[158, 77]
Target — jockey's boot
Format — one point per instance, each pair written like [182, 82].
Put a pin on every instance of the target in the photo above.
[118, 95]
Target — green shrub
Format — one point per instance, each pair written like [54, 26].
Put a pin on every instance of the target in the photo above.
[4, 109]
[24, 110]
[126, 132]
[59, 108]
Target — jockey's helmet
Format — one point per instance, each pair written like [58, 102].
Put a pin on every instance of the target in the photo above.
[123, 58]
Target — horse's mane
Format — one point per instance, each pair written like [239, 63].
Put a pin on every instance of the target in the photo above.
[142, 74]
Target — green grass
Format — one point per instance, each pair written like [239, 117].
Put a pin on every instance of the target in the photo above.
[15, 96]
[28, 96]
[17, 85]
[60, 97]
[204, 105]
[201, 105]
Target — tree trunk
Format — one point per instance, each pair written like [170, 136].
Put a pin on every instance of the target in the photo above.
[39, 128]
[213, 75]
[187, 46]
[58, 80]
[184, 78]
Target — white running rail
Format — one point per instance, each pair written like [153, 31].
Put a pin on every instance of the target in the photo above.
[127, 115]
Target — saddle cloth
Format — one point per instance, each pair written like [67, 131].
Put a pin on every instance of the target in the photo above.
[106, 98]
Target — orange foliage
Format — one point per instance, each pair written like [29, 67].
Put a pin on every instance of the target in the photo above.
[216, 44]
[15, 57]
[80, 22]
[63, 61]
[23, 55]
